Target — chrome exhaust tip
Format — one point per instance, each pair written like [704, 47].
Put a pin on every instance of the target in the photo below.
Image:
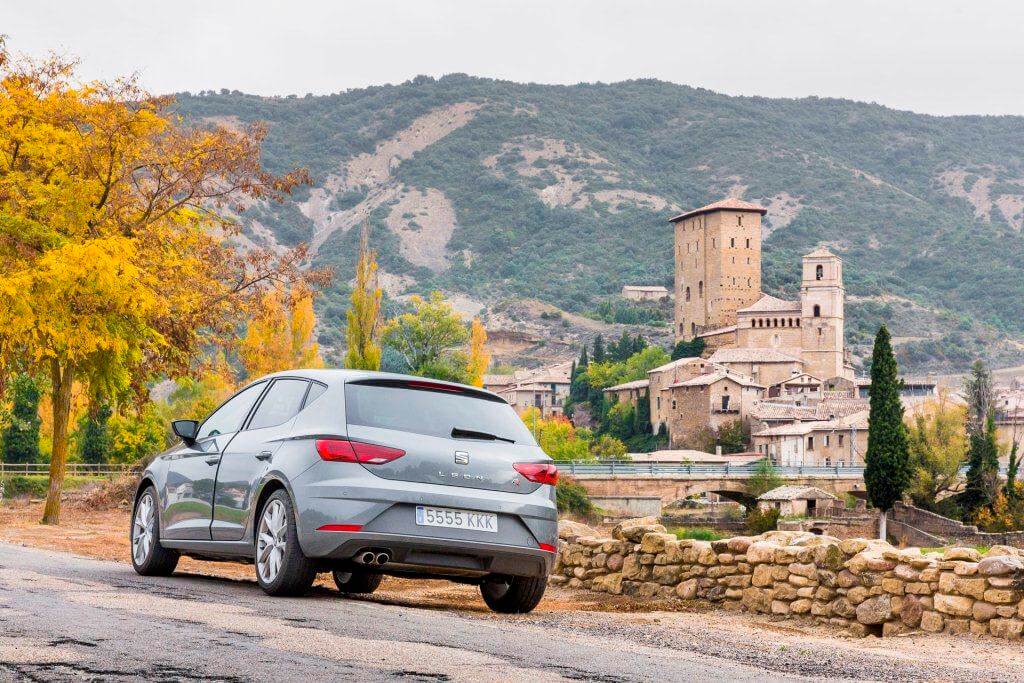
[366, 558]
[382, 558]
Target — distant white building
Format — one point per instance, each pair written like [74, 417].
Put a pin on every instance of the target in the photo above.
[644, 293]
[544, 388]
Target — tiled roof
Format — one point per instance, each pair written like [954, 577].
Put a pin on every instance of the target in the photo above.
[635, 384]
[719, 330]
[645, 288]
[676, 363]
[769, 304]
[754, 355]
[711, 378]
[820, 252]
[797, 493]
[722, 205]
[769, 410]
[804, 377]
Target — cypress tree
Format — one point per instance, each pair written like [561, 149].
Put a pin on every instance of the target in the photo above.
[887, 462]
[982, 469]
[21, 436]
[584, 361]
[599, 353]
[94, 444]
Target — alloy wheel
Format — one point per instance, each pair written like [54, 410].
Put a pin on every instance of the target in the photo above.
[142, 529]
[272, 541]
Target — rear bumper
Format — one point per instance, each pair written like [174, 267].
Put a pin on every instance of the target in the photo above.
[383, 514]
[440, 557]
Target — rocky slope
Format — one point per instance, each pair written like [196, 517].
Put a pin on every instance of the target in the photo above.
[499, 192]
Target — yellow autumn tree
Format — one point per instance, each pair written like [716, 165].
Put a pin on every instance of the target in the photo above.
[479, 359]
[280, 334]
[362, 334]
[114, 235]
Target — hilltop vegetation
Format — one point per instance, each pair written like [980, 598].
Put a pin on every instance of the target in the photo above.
[561, 193]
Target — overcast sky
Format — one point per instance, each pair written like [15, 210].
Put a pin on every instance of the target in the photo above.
[933, 56]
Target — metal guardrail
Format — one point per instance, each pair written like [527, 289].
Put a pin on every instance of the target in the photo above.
[73, 469]
[628, 468]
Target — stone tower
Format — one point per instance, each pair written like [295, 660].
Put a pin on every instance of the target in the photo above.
[718, 265]
[821, 314]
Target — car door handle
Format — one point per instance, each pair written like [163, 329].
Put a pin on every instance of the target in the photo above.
[213, 460]
[264, 455]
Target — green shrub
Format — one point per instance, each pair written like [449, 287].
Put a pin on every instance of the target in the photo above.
[699, 534]
[573, 498]
[759, 522]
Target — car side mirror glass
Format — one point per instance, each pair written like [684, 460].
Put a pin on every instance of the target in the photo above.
[186, 430]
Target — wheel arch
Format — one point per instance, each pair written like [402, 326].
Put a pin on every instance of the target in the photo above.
[270, 485]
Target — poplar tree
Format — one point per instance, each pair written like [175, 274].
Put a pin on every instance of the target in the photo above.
[887, 462]
[364, 321]
[479, 359]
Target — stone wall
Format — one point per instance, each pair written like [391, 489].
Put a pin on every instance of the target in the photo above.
[915, 525]
[865, 586]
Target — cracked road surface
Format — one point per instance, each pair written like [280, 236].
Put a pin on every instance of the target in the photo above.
[64, 617]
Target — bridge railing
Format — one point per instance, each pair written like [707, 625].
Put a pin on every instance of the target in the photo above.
[628, 468]
[73, 469]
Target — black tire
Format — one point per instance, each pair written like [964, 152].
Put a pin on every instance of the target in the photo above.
[296, 573]
[517, 595]
[156, 560]
[357, 581]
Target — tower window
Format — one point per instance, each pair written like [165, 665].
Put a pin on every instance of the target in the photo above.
[693, 329]
[739, 219]
[748, 279]
[687, 293]
[732, 241]
[819, 272]
[748, 243]
[817, 311]
[700, 292]
[712, 242]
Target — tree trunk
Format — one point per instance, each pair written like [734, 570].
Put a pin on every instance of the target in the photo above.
[883, 524]
[62, 380]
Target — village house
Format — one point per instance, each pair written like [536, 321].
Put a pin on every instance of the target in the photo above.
[838, 442]
[628, 392]
[708, 401]
[661, 378]
[545, 388]
[796, 501]
[645, 293]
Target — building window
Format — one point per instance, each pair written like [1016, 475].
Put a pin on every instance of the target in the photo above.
[687, 293]
[827, 440]
[657, 402]
[810, 443]
[817, 311]
[682, 328]
[725, 403]
[798, 322]
[732, 241]
[748, 247]
[819, 272]
[712, 242]
[673, 404]
[840, 439]
[739, 219]
[700, 293]
[693, 329]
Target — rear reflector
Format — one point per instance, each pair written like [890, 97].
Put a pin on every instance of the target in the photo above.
[340, 450]
[548, 547]
[539, 472]
[340, 527]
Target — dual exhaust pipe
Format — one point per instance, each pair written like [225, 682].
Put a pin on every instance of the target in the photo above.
[371, 558]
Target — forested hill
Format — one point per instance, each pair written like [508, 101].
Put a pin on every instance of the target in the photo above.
[497, 190]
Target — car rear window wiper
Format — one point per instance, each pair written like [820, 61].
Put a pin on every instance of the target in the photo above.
[460, 433]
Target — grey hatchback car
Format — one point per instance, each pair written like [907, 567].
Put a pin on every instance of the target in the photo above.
[360, 474]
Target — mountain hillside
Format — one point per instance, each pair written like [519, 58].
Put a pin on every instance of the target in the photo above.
[503, 194]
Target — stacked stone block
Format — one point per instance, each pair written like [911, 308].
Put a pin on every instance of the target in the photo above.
[867, 586]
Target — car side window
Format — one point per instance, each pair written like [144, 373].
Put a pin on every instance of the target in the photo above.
[229, 417]
[315, 390]
[282, 403]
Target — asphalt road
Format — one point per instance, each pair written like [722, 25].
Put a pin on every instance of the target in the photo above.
[64, 617]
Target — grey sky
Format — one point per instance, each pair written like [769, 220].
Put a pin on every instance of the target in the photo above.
[931, 56]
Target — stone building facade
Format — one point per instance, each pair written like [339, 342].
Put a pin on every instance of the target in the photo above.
[719, 299]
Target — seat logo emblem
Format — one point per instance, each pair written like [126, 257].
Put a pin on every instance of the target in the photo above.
[461, 458]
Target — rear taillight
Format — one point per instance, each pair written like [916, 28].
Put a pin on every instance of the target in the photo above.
[539, 472]
[547, 547]
[339, 450]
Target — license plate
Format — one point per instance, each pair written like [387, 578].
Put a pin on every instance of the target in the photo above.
[456, 519]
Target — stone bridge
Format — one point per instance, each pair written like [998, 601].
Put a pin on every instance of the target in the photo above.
[673, 487]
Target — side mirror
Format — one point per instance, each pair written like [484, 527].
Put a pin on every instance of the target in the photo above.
[186, 430]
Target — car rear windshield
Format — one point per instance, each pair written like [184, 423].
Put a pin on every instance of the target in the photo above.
[433, 412]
